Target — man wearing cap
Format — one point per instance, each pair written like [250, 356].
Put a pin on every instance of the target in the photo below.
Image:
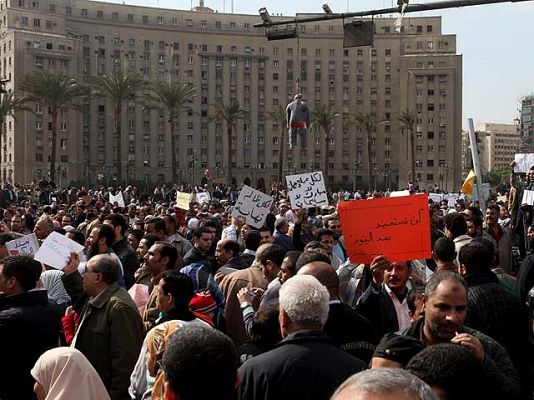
[395, 351]
[281, 238]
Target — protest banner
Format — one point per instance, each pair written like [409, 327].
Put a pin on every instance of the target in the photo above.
[398, 228]
[451, 199]
[202, 197]
[523, 162]
[183, 200]
[25, 245]
[117, 199]
[307, 190]
[435, 197]
[253, 206]
[528, 197]
[399, 193]
[55, 250]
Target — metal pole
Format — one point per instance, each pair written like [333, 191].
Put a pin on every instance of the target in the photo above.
[476, 164]
[439, 5]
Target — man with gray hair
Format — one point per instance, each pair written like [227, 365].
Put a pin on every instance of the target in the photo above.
[384, 384]
[305, 364]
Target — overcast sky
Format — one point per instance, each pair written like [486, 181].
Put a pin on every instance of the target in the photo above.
[496, 42]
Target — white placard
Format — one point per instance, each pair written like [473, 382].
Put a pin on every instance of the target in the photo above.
[183, 200]
[25, 245]
[202, 197]
[55, 250]
[523, 162]
[435, 197]
[253, 206]
[399, 193]
[117, 198]
[485, 192]
[451, 199]
[528, 197]
[307, 190]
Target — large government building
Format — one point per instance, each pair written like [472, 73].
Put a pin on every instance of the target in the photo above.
[226, 58]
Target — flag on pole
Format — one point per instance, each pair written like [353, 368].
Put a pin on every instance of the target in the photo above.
[469, 182]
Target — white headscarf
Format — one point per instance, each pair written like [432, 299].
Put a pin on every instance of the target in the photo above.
[65, 373]
[52, 283]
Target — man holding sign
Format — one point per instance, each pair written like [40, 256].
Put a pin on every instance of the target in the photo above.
[521, 212]
[387, 233]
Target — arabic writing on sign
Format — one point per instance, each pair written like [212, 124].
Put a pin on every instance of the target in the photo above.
[183, 200]
[307, 190]
[253, 206]
[523, 162]
[56, 249]
[397, 227]
[27, 245]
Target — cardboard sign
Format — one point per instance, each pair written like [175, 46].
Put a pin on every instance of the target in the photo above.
[523, 162]
[183, 200]
[398, 228]
[435, 197]
[25, 245]
[528, 197]
[307, 190]
[451, 199]
[202, 197]
[55, 250]
[399, 193]
[253, 206]
[117, 199]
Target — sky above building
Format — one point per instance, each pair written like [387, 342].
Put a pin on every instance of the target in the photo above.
[495, 41]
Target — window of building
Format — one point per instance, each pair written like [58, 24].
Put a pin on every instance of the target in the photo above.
[100, 14]
[130, 17]
[37, 23]
[115, 15]
[145, 19]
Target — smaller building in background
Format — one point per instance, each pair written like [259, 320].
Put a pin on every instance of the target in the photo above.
[497, 144]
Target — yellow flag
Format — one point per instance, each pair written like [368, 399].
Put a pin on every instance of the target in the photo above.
[469, 182]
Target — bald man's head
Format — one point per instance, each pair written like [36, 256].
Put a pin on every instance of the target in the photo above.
[324, 273]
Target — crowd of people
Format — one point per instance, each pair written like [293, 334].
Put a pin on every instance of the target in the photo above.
[173, 303]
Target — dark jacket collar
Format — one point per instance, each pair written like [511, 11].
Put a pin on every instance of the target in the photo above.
[177, 314]
[102, 298]
[475, 280]
[24, 299]
[305, 337]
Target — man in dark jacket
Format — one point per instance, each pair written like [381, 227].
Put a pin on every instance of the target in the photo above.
[110, 332]
[493, 310]
[305, 364]
[202, 238]
[384, 303]
[29, 325]
[349, 330]
[125, 252]
[445, 304]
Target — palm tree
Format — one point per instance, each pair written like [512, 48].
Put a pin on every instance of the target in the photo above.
[279, 115]
[174, 96]
[118, 87]
[55, 91]
[229, 114]
[324, 117]
[368, 123]
[407, 119]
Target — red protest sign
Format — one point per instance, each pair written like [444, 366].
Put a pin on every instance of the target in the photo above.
[398, 228]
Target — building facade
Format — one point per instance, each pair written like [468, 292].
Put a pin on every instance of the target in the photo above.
[226, 58]
[526, 123]
[497, 144]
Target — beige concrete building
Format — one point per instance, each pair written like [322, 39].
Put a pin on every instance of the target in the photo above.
[225, 57]
[497, 144]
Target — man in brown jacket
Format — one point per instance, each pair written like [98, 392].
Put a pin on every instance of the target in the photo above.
[251, 277]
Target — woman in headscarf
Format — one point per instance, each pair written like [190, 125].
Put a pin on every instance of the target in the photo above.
[51, 280]
[64, 373]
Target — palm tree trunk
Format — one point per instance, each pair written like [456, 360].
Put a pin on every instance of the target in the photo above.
[230, 156]
[118, 129]
[173, 121]
[281, 155]
[412, 150]
[54, 146]
[326, 157]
